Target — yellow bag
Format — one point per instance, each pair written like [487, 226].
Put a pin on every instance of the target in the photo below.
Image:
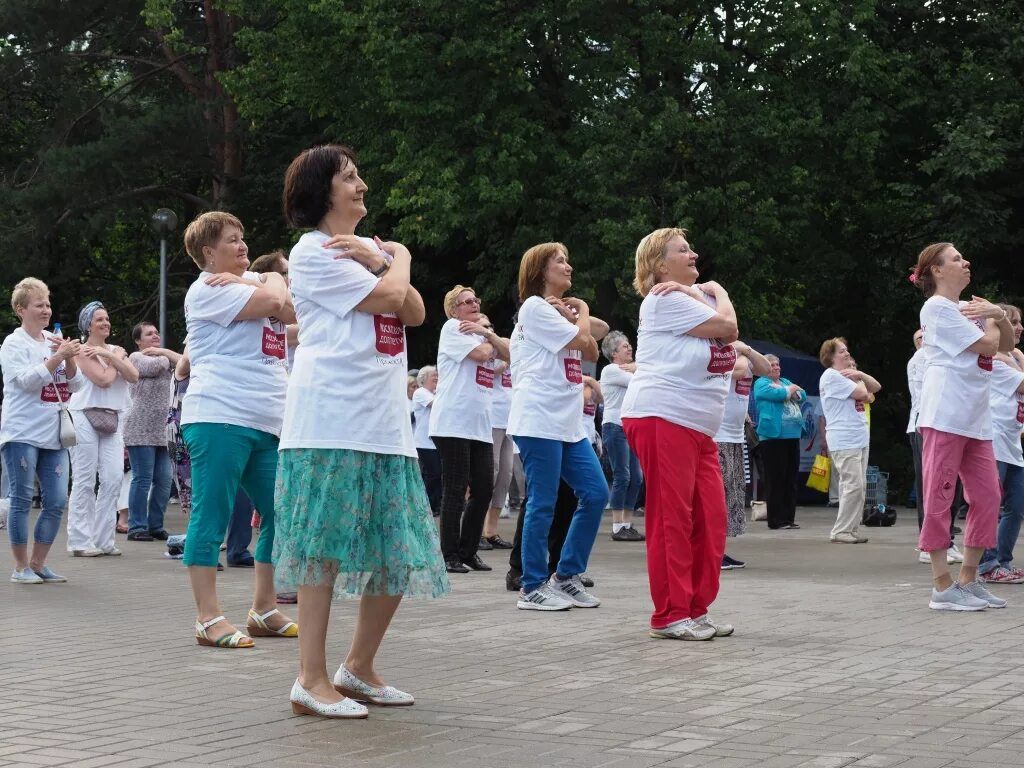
[820, 474]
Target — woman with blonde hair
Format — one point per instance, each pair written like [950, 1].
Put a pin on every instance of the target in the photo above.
[40, 373]
[460, 426]
[673, 407]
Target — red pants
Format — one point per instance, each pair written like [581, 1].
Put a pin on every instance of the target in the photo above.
[684, 517]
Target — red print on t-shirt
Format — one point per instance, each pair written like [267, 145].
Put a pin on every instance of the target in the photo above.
[573, 370]
[985, 362]
[390, 334]
[743, 385]
[1020, 409]
[506, 379]
[858, 405]
[484, 377]
[273, 342]
[723, 358]
[590, 409]
[49, 395]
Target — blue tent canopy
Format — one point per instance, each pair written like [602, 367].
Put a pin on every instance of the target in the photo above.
[798, 367]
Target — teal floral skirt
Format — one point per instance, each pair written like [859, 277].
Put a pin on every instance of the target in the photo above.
[358, 522]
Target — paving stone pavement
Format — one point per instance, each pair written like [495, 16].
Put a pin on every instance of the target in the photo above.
[836, 661]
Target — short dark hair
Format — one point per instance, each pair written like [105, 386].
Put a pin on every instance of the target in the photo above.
[307, 183]
[269, 262]
[139, 328]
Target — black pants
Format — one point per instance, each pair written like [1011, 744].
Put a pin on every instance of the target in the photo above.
[565, 508]
[464, 464]
[958, 500]
[430, 469]
[781, 470]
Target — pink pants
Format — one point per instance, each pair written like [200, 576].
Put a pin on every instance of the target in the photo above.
[943, 457]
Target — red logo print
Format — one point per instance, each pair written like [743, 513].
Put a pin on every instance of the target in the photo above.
[858, 405]
[590, 409]
[743, 385]
[573, 370]
[49, 394]
[723, 358]
[1020, 409]
[390, 334]
[506, 379]
[484, 377]
[985, 362]
[273, 343]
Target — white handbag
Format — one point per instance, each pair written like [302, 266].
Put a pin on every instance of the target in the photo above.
[68, 438]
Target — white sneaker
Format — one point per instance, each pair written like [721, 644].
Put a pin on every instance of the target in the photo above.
[954, 555]
[721, 630]
[687, 629]
[543, 598]
[25, 576]
[573, 590]
[112, 552]
[956, 598]
[977, 589]
[924, 557]
[87, 552]
[505, 513]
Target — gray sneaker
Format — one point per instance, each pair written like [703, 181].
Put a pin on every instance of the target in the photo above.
[687, 629]
[956, 598]
[572, 589]
[721, 630]
[977, 589]
[543, 598]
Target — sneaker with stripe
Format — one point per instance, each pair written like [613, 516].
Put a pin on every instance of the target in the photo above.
[543, 598]
[572, 589]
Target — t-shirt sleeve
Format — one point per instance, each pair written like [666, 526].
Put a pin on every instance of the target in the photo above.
[423, 397]
[217, 304]
[677, 313]
[337, 285]
[836, 386]
[455, 344]
[1005, 379]
[19, 367]
[546, 326]
[614, 376]
[949, 330]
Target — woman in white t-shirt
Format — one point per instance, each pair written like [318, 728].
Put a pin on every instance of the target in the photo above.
[231, 417]
[460, 426]
[504, 448]
[730, 440]
[99, 408]
[40, 372]
[955, 422]
[1007, 404]
[673, 407]
[430, 462]
[843, 390]
[354, 519]
[551, 339]
[627, 478]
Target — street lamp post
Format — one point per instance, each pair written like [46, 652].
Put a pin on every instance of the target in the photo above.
[164, 221]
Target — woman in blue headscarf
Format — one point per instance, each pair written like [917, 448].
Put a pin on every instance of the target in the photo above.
[98, 409]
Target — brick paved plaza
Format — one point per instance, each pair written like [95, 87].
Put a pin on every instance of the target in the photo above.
[836, 661]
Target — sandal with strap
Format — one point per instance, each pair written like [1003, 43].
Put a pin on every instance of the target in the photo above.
[257, 625]
[234, 640]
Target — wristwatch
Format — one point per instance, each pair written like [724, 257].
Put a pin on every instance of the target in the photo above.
[383, 268]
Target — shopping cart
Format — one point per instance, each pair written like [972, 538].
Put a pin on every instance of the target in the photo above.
[877, 512]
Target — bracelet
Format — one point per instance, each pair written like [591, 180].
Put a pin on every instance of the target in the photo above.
[383, 268]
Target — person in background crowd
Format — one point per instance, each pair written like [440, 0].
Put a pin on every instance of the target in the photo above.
[844, 391]
[955, 422]
[176, 447]
[504, 449]
[592, 397]
[1007, 405]
[98, 408]
[277, 261]
[551, 339]
[430, 462]
[730, 437]
[40, 372]
[231, 417]
[354, 516]
[779, 426]
[673, 407]
[627, 477]
[460, 426]
[145, 435]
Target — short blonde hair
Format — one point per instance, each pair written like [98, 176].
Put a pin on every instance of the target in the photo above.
[828, 350]
[649, 254]
[25, 290]
[452, 296]
[205, 230]
[532, 266]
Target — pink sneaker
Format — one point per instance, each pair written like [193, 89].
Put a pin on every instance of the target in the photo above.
[1002, 576]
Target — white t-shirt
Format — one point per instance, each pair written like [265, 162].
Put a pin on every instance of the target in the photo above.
[30, 400]
[239, 367]
[846, 423]
[915, 377]
[116, 397]
[348, 389]
[547, 378]
[680, 378]
[589, 415]
[501, 399]
[955, 389]
[614, 382]
[422, 399]
[1007, 413]
[462, 407]
[736, 404]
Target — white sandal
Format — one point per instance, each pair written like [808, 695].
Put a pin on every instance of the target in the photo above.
[235, 640]
[257, 625]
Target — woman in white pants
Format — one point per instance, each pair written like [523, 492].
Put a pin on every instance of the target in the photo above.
[98, 410]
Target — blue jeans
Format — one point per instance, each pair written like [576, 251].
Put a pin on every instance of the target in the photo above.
[150, 489]
[240, 529]
[1011, 477]
[24, 463]
[545, 461]
[626, 475]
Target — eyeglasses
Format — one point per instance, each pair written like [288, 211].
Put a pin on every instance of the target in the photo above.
[467, 302]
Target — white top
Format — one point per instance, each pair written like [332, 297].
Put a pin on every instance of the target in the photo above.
[547, 378]
[915, 377]
[501, 399]
[846, 423]
[422, 399]
[1007, 412]
[462, 407]
[116, 397]
[348, 388]
[589, 423]
[736, 404]
[955, 390]
[614, 382]
[680, 378]
[239, 367]
[30, 400]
